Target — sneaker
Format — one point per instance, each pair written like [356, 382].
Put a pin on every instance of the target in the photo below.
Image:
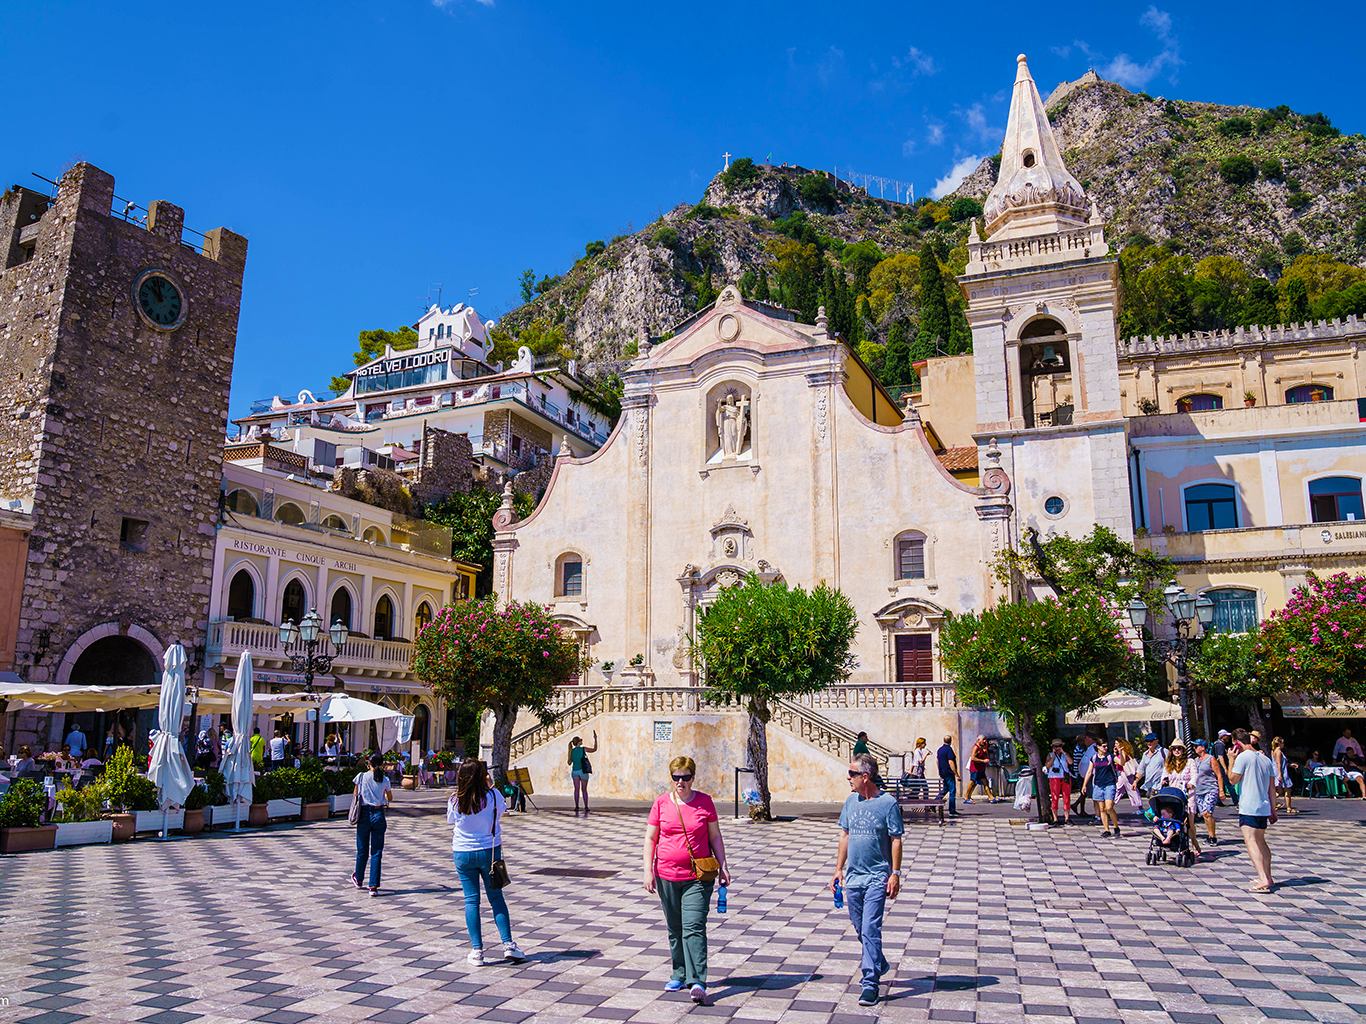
[698, 993]
[475, 958]
[512, 952]
[1116, 833]
[673, 985]
[868, 997]
[1211, 841]
[1105, 834]
[374, 890]
[357, 882]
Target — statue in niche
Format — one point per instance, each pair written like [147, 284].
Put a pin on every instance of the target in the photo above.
[732, 424]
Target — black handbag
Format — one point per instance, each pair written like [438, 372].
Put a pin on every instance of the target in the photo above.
[586, 766]
[498, 869]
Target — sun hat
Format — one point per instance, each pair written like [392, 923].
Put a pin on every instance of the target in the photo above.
[1178, 743]
[1057, 742]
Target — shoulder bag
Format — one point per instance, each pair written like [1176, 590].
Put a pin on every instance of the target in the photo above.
[585, 766]
[704, 868]
[498, 869]
[353, 815]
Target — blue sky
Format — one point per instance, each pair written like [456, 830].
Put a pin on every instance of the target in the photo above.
[370, 149]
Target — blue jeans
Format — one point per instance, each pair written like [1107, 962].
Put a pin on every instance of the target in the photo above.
[370, 843]
[471, 866]
[951, 788]
[866, 903]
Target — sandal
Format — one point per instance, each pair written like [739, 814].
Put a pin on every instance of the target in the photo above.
[1260, 888]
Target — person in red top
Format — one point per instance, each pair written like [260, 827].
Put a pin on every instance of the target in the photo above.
[979, 765]
[683, 829]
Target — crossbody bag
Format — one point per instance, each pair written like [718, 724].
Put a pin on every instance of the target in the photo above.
[498, 869]
[705, 869]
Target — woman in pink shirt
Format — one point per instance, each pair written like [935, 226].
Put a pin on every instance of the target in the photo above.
[684, 829]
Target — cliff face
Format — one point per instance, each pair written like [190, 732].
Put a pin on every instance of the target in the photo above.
[1153, 166]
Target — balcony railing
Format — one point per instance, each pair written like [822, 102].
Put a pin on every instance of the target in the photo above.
[229, 639]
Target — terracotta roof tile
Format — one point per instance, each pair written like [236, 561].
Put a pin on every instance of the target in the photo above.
[955, 459]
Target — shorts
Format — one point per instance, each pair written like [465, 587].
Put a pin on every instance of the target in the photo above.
[578, 775]
[978, 775]
[1204, 802]
[1254, 820]
[1103, 793]
[1061, 789]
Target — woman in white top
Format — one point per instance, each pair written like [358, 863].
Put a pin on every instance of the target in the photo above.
[919, 756]
[373, 793]
[476, 842]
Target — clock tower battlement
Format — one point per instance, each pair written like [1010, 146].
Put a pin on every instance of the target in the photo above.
[117, 337]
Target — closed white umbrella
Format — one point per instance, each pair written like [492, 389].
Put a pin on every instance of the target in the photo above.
[168, 767]
[238, 770]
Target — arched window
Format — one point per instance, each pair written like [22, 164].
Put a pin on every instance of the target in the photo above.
[1309, 393]
[295, 602]
[335, 522]
[423, 617]
[1211, 507]
[910, 556]
[569, 575]
[1235, 610]
[1199, 403]
[243, 502]
[341, 608]
[384, 618]
[289, 513]
[241, 596]
[373, 534]
[1333, 499]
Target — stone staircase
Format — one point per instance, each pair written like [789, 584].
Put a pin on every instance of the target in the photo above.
[581, 706]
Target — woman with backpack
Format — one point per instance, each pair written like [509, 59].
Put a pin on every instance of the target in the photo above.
[580, 768]
[1058, 769]
[476, 846]
[370, 800]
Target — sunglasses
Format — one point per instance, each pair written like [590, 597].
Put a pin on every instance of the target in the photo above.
[682, 778]
[854, 775]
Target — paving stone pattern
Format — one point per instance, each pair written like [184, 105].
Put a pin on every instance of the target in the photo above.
[996, 924]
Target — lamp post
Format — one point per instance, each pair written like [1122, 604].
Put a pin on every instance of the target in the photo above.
[1187, 613]
[310, 634]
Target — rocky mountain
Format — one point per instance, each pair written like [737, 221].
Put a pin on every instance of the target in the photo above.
[1262, 186]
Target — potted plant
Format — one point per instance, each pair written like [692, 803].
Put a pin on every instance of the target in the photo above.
[284, 787]
[217, 807]
[143, 802]
[1249, 399]
[119, 783]
[607, 667]
[313, 790]
[21, 814]
[79, 816]
[195, 802]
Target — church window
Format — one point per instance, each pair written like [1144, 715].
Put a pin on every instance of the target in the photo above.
[572, 579]
[910, 556]
[1054, 506]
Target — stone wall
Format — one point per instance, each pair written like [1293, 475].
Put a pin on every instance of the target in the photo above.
[446, 468]
[105, 418]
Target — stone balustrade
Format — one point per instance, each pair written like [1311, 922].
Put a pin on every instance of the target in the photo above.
[228, 639]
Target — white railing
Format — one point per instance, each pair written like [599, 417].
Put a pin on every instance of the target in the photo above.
[229, 639]
[896, 695]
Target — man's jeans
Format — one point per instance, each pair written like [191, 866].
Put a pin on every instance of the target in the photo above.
[951, 788]
[866, 903]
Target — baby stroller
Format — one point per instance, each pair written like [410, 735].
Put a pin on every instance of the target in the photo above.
[1180, 846]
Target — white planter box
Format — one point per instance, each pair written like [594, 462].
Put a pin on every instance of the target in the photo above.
[340, 803]
[76, 833]
[290, 808]
[150, 821]
[216, 815]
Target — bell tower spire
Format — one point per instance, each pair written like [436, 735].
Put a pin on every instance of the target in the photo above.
[1034, 193]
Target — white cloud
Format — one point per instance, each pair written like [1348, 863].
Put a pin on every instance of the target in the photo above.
[934, 135]
[1134, 75]
[918, 61]
[908, 147]
[976, 118]
[954, 178]
[1061, 51]
[830, 65]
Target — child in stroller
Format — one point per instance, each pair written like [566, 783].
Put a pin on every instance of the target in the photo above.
[1170, 838]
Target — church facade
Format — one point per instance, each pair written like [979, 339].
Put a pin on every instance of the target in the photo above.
[750, 443]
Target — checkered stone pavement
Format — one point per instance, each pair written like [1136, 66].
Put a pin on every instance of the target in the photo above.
[995, 924]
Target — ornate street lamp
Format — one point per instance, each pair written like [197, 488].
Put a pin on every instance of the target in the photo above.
[1187, 613]
[308, 633]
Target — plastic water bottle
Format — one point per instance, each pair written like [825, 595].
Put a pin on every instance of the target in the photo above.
[839, 896]
[721, 899]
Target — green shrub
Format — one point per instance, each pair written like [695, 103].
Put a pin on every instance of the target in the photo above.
[142, 795]
[1238, 170]
[704, 211]
[313, 787]
[1293, 244]
[120, 781]
[1298, 200]
[705, 249]
[1235, 127]
[741, 173]
[23, 805]
[964, 208]
[594, 248]
[817, 190]
[339, 782]
[197, 799]
[216, 786]
[80, 804]
[1272, 170]
[667, 237]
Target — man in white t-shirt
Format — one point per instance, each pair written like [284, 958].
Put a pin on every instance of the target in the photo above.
[277, 748]
[1344, 744]
[1254, 773]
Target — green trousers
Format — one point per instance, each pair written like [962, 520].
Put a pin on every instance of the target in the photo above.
[685, 912]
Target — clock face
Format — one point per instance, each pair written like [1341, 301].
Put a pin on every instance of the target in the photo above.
[160, 300]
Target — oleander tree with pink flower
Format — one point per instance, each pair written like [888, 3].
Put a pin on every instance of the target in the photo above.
[1317, 642]
[479, 655]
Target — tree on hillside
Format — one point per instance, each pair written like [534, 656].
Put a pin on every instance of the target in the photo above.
[527, 284]
[372, 346]
[478, 655]
[470, 518]
[742, 172]
[1019, 658]
[760, 641]
[896, 361]
[934, 307]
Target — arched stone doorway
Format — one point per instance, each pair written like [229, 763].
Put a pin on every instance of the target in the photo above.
[107, 657]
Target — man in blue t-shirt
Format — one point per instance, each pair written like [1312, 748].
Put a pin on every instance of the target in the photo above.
[869, 865]
[948, 773]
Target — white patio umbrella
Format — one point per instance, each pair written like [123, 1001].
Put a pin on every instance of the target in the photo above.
[238, 770]
[168, 767]
[353, 709]
[1125, 705]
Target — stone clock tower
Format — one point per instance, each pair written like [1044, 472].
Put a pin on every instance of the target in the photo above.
[1042, 303]
[116, 345]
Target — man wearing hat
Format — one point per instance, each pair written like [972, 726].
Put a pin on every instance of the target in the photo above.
[1150, 767]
